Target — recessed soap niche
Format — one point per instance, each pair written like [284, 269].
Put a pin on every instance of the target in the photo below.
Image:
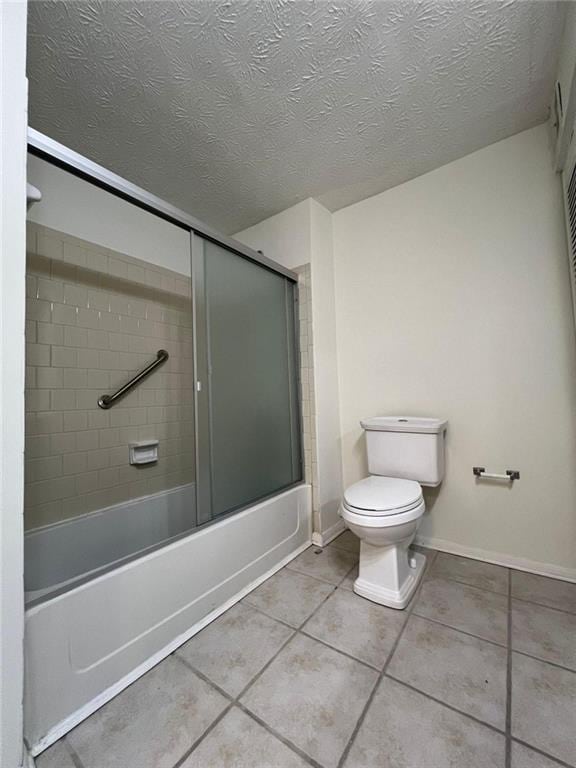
[144, 452]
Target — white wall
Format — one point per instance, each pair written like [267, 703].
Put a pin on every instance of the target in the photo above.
[74, 206]
[13, 122]
[285, 237]
[453, 300]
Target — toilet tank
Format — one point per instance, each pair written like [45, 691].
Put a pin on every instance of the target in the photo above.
[408, 447]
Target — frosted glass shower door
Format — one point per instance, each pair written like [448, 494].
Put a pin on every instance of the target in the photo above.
[248, 442]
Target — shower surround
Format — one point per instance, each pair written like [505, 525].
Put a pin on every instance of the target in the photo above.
[94, 317]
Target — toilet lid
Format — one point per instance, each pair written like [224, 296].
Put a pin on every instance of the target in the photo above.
[382, 495]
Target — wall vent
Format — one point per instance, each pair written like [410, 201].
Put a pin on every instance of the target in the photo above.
[570, 207]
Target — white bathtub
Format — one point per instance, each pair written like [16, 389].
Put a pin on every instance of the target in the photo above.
[86, 644]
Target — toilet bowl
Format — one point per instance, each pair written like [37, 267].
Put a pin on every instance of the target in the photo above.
[385, 512]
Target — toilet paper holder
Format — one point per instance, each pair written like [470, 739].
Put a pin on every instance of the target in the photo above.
[510, 476]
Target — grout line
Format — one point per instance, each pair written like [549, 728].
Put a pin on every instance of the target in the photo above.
[538, 751]
[508, 761]
[433, 698]
[543, 605]
[318, 578]
[359, 722]
[301, 631]
[340, 651]
[234, 701]
[543, 661]
[290, 566]
[500, 731]
[259, 674]
[462, 631]
[208, 730]
[274, 618]
[203, 677]
[445, 577]
[467, 584]
[310, 760]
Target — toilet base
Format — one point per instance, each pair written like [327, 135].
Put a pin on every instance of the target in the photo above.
[386, 577]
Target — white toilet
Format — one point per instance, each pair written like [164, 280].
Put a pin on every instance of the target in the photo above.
[385, 509]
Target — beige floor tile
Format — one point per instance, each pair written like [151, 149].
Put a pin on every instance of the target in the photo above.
[543, 707]
[544, 632]
[463, 671]
[329, 564]
[482, 613]
[235, 647]
[152, 723]
[56, 756]
[404, 729]
[522, 757]
[472, 572]
[312, 696]
[347, 541]
[357, 626]
[289, 596]
[540, 589]
[239, 742]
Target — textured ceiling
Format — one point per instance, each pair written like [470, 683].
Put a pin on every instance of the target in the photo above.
[236, 109]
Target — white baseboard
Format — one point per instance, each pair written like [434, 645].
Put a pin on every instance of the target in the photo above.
[498, 558]
[321, 539]
[88, 709]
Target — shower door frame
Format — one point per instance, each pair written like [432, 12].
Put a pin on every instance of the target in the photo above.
[48, 149]
[202, 412]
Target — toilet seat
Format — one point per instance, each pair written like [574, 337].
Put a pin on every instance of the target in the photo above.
[382, 496]
[386, 520]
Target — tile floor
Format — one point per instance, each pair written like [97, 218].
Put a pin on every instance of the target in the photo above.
[478, 672]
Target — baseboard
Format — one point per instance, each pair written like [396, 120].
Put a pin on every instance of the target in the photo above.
[321, 539]
[498, 558]
[88, 709]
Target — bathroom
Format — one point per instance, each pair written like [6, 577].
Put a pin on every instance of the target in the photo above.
[288, 398]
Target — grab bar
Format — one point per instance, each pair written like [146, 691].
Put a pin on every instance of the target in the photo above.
[107, 401]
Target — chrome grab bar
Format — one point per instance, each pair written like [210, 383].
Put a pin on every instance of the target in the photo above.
[107, 401]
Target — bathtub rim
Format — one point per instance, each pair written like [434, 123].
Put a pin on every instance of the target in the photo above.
[66, 725]
[61, 589]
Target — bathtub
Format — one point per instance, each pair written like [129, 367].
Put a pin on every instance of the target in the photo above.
[97, 624]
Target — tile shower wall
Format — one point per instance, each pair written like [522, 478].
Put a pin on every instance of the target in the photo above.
[94, 317]
[307, 384]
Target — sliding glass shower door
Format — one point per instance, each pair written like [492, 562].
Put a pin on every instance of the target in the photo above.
[247, 405]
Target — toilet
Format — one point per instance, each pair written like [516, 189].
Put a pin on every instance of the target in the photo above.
[384, 510]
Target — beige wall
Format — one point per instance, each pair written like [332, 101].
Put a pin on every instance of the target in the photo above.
[453, 300]
[284, 237]
[94, 317]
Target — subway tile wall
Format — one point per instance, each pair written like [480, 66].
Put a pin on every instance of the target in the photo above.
[307, 384]
[94, 317]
